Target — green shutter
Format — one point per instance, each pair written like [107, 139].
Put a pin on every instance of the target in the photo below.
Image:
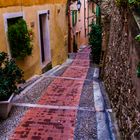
[72, 18]
[97, 11]
[98, 15]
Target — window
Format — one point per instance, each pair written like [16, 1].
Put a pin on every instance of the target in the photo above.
[12, 21]
[9, 19]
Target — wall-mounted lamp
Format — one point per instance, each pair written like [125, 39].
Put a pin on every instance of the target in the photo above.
[78, 5]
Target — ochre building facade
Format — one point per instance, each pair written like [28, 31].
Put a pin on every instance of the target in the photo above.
[48, 21]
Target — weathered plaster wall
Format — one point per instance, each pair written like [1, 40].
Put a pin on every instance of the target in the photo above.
[120, 78]
[58, 34]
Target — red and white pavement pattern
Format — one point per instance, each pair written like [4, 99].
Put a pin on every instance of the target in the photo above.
[56, 124]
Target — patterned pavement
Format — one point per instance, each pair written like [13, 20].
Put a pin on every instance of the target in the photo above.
[64, 93]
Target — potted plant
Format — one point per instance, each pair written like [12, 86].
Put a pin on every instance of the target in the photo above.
[138, 70]
[10, 76]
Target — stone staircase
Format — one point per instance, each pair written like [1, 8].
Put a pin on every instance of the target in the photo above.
[94, 114]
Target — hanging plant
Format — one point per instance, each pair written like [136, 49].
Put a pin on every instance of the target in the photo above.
[20, 39]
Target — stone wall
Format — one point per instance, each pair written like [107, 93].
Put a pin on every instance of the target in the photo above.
[119, 73]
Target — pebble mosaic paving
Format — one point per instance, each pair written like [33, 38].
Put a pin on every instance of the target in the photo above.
[75, 117]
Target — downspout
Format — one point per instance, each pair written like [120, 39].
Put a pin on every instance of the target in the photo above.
[69, 27]
[85, 17]
[88, 17]
[21, 6]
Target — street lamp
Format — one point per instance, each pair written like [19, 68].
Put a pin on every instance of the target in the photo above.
[78, 5]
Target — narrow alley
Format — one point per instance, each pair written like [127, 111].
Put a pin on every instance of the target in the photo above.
[70, 70]
[68, 104]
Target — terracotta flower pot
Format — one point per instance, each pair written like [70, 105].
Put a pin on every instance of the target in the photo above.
[5, 107]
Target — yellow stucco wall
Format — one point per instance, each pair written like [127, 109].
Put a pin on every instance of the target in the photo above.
[58, 34]
[6, 3]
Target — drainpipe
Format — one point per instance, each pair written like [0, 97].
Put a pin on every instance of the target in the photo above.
[21, 5]
[69, 27]
[88, 17]
[85, 17]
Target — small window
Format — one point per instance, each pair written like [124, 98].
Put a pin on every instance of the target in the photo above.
[10, 19]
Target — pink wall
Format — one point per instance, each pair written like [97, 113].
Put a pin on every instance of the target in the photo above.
[81, 28]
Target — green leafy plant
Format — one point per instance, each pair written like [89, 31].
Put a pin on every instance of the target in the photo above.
[138, 70]
[137, 37]
[95, 40]
[20, 39]
[10, 76]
